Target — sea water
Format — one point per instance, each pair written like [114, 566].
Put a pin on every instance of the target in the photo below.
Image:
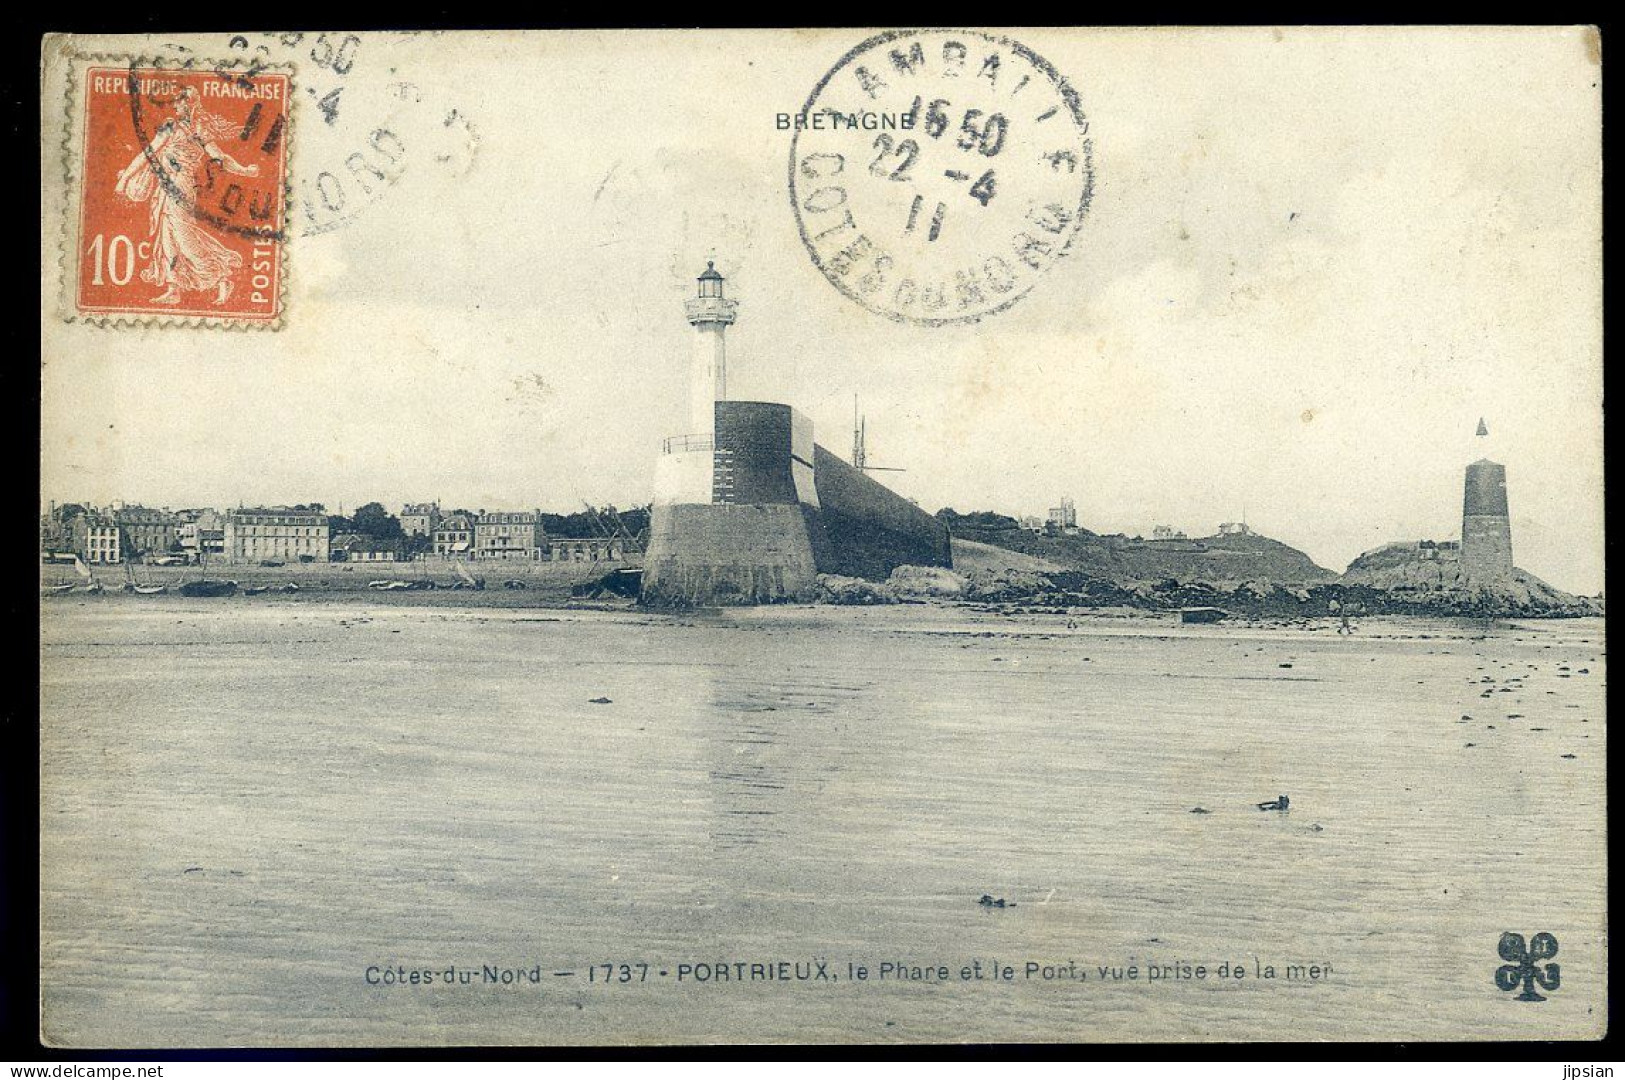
[274, 822]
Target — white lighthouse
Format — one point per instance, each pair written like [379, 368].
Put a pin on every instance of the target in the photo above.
[737, 515]
[684, 473]
[710, 314]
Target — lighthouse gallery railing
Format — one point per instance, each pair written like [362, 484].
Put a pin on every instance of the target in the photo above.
[684, 444]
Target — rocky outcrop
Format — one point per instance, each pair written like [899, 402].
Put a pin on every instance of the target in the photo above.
[839, 589]
[1211, 560]
[1246, 575]
[1522, 596]
[1429, 577]
[927, 582]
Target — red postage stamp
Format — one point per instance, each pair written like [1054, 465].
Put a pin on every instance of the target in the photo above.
[182, 194]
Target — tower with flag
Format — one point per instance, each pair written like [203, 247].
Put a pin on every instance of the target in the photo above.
[1486, 527]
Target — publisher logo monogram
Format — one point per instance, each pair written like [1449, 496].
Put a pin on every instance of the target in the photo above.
[1523, 967]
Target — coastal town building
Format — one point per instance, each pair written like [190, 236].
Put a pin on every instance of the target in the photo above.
[1417, 550]
[55, 532]
[420, 519]
[100, 539]
[1438, 549]
[508, 534]
[1064, 516]
[454, 537]
[1234, 528]
[1167, 532]
[201, 533]
[592, 549]
[146, 531]
[356, 548]
[276, 532]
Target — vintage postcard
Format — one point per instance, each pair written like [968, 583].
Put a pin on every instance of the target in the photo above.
[887, 535]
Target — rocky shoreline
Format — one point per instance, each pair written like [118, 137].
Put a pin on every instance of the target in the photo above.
[1066, 590]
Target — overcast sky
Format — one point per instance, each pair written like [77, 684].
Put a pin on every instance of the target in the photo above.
[1314, 260]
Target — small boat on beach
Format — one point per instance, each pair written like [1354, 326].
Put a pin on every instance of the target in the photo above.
[132, 584]
[204, 586]
[1202, 614]
[208, 587]
[469, 581]
[626, 581]
[87, 580]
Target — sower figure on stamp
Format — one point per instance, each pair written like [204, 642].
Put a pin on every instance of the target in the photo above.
[184, 255]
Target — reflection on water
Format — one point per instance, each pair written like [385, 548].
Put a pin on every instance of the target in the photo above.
[771, 751]
[748, 775]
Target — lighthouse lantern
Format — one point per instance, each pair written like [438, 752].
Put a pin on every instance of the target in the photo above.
[710, 283]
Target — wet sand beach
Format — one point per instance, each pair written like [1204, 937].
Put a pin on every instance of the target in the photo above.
[251, 811]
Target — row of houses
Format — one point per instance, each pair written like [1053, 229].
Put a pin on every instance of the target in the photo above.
[131, 532]
[304, 534]
[509, 535]
[500, 535]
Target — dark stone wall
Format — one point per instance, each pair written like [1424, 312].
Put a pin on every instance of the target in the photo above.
[721, 554]
[758, 543]
[1486, 548]
[753, 441]
[872, 530]
[1486, 489]
[1486, 531]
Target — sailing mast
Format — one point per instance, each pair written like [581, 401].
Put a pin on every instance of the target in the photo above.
[859, 451]
[860, 444]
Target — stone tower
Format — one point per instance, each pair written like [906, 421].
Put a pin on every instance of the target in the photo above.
[1486, 529]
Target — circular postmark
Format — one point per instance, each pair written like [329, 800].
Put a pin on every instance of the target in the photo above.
[936, 175]
[184, 132]
[364, 128]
